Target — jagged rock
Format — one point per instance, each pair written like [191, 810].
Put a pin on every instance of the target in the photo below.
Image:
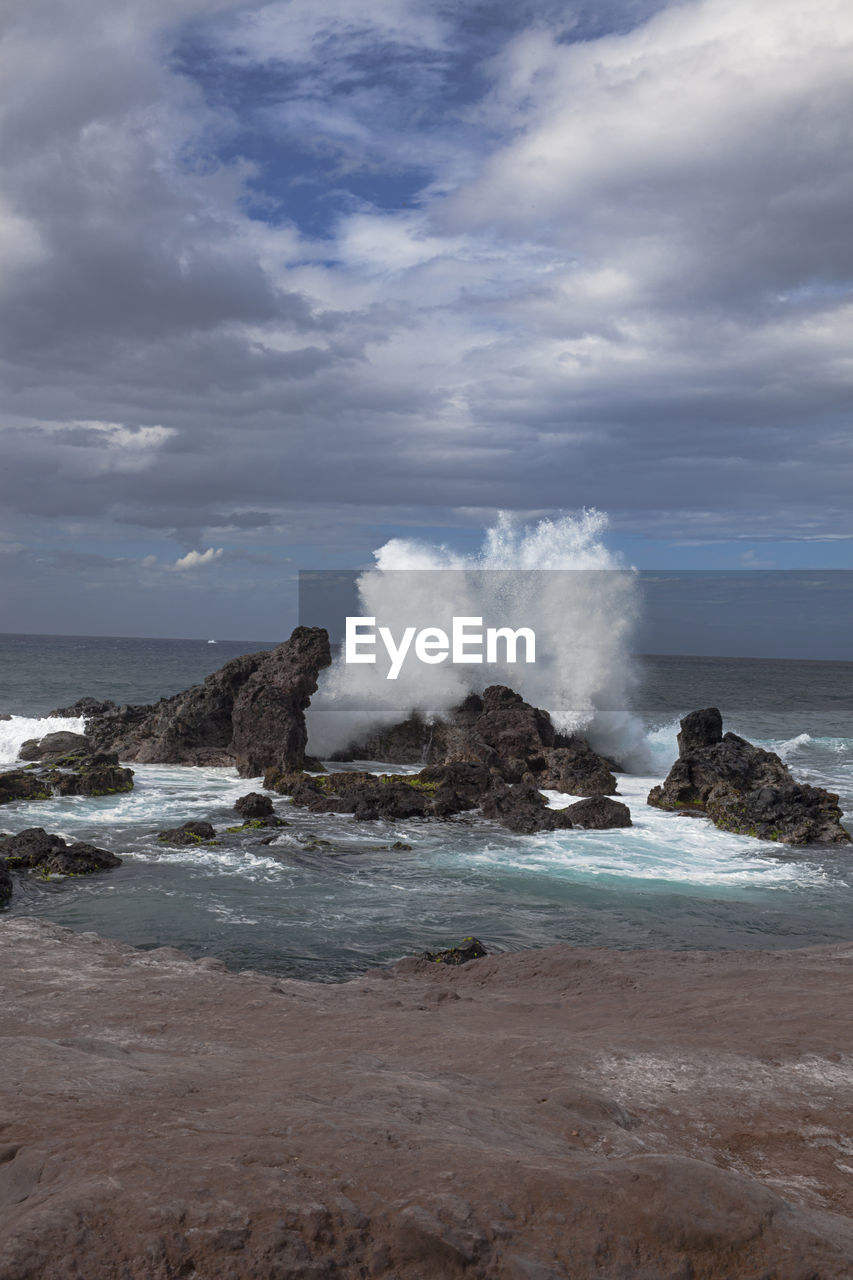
[269, 712]
[48, 854]
[250, 712]
[187, 834]
[54, 744]
[254, 805]
[468, 949]
[599, 813]
[574, 768]
[521, 807]
[745, 789]
[89, 775]
[18, 784]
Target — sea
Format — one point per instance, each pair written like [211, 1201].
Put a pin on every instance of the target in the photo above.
[329, 897]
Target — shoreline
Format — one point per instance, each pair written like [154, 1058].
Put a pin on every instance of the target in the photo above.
[535, 1115]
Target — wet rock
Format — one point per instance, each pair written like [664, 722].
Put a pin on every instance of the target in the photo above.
[469, 948]
[254, 805]
[17, 784]
[575, 768]
[269, 712]
[745, 789]
[5, 884]
[36, 849]
[598, 813]
[250, 712]
[188, 833]
[54, 744]
[522, 808]
[89, 775]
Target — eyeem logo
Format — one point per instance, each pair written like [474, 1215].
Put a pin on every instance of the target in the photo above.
[432, 645]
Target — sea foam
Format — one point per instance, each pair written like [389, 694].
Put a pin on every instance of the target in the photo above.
[15, 732]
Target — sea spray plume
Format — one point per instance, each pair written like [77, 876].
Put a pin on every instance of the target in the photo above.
[556, 577]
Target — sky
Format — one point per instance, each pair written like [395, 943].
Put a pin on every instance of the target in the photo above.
[281, 281]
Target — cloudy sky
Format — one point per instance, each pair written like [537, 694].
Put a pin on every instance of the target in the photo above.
[279, 281]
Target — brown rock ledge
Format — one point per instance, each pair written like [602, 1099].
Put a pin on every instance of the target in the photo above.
[553, 1114]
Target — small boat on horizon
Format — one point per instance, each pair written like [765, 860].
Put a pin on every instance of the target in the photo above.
[211, 642]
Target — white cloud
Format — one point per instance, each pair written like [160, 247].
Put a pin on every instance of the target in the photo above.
[195, 559]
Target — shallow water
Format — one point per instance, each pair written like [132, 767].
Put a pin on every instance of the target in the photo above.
[326, 912]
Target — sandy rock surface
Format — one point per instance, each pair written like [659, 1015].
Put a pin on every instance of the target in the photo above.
[553, 1114]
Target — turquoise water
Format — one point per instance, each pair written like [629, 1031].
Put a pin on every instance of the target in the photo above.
[666, 882]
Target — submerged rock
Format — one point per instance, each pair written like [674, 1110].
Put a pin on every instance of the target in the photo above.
[744, 789]
[468, 949]
[187, 834]
[37, 850]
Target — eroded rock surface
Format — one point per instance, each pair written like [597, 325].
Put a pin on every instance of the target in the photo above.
[744, 789]
[38, 850]
[249, 713]
[499, 730]
[553, 1115]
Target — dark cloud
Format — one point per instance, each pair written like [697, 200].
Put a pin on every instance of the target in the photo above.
[564, 258]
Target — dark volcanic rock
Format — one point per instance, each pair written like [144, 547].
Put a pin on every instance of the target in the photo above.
[188, 833]
[745, 789]
[5, 881]
[468, 949]
[269, 712]
[250, 712]
[95, 775]
[254, 805]
[501, 731]
[19, 784]
[54, 744]
[599, 813]
[521, 807]
[36, 849]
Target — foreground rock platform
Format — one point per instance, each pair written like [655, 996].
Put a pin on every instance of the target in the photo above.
[547, 1115]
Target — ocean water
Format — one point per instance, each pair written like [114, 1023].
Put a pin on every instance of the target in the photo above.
[329, 910]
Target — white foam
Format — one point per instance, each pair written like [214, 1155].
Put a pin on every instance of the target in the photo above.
[15, 732]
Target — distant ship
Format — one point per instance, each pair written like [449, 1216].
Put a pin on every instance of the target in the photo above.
[211, 642]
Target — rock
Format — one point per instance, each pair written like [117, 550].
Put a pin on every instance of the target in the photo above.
[574, 767]
[36, 849]
[522, 808]
[17, 784]
[700, 729]
[54, 744]
[269, 712]
[187, 834]
[5, 716]
[95, 775]
[745, 789]
[598, 813]
[250, 712]
[254, 805]
[5, 882]
[468, 949]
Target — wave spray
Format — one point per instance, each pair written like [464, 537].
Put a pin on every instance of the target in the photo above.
[556, 577]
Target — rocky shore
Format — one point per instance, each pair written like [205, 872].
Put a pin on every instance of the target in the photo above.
[548, 1115]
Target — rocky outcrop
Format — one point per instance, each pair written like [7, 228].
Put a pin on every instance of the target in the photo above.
[744, 789]
[37, 850]
[442, 791]
[53, 745]
[499, 730]
[80, 773]
[254, 805]
[20, 784]
[249, 713]
[189, 833]
[268, 718]
[5, 883]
